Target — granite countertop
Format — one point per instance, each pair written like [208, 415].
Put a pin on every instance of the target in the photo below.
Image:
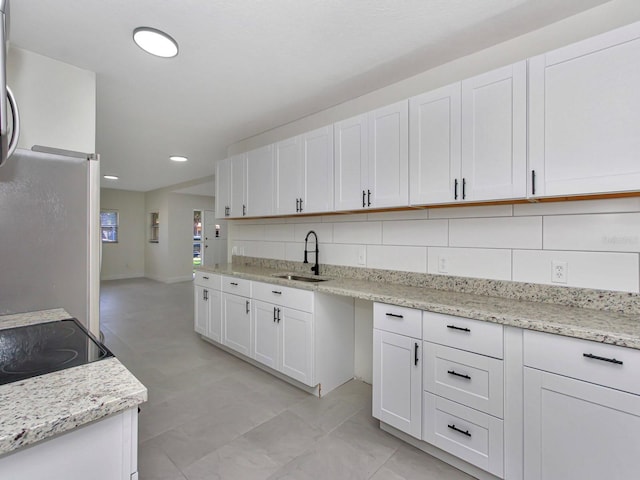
[41, 407]
[597, 325]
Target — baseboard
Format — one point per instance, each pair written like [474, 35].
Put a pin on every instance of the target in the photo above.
[123, 276]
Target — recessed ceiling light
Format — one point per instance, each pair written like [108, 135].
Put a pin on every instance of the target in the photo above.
[155, 42]
[111, 177]
[178, 158]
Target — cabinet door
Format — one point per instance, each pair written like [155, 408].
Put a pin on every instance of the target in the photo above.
[351, 163]
[223, 188]
[388, 170]
[260, 182]
[434, 145]
[317, 171]
[494, 134]
[201, 309]
[236, 328]
[264, 347]
[397, 382]
[214, 316]
[585, 112]
[288, 176]
[238, 196]
[575, 429]
[296, 338]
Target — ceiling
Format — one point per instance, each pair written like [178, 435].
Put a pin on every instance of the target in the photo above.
[246, 66]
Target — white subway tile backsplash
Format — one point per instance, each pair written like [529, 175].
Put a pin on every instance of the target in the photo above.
[602, 270]
[294, 251]
[501, 232]
[365, 233]
[274, 250]
[416, 232]
[248, 231]
[416, 214]
[323, 230]
[472, 212]
[611, 205]
[279, 232]
[606, 232]
[470, 262]
[408, 259]
[334, 254]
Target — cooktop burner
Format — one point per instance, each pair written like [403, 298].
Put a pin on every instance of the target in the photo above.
[34, 350]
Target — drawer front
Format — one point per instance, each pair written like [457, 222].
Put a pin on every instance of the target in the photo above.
[208, 280]
[284, 296]
[471, 335]
[400, 320]
[473, 436]
[473, 380]
[237, 286]
[599, 363]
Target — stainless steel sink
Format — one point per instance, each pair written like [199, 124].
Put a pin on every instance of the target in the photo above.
[299, 278]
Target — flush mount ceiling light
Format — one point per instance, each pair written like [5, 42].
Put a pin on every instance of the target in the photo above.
[111, 177]
[178, 158]
[155, 42]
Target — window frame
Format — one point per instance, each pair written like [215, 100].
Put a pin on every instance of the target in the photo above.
[114, 228]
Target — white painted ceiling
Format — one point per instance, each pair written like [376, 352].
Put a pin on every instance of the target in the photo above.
[246, 66]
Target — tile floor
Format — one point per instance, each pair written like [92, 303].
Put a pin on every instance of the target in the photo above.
[213, 416]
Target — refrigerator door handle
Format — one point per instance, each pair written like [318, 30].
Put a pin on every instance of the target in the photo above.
[15, 134]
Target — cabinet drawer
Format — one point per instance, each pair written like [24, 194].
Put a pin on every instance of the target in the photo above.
[615, 367]
[463, 333]
[237, 286]
[209, 280]
[284, 296]
[473, 380]
[464, 432]
[401, 320]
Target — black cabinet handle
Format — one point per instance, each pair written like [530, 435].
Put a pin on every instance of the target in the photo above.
[453, 372]
[244, 210]
[247, 306]
[368, 198]
[278, 310]
[363, 199]
[297, 205]
[274, 314]
[394, 315]
[234, 284]
[462, 329]
[301, 205]
[464, 188]
[415, 354]
[604, 359]
[533, 182]
[205, 295]
[206, 278]
[455, 189]
[276, 292]
[464, 432]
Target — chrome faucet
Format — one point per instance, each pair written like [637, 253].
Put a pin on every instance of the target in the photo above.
[316, 268]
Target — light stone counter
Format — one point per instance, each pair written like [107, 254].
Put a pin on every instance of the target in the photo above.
[611, 327]
[41, 407]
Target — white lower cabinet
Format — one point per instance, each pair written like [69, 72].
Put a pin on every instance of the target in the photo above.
[236, 318]
[208, 306]
[583, 427]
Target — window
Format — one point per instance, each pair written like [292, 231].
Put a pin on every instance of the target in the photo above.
[154, 228]
[109, 226]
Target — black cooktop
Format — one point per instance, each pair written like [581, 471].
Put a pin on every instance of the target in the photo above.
[33, 350]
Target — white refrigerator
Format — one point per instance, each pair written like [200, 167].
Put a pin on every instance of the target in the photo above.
[50, 233]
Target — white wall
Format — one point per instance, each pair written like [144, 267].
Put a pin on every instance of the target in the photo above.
[124, 259]
[57, 101]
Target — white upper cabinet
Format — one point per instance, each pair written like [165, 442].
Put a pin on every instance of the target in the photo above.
[585, 116]
[260, 184]
[288, 176]
[238, 182]
[434, 145]
[494, 135]
[371, 159]
[388, 172]
[351, 163]
[223, 188]
[317, 171]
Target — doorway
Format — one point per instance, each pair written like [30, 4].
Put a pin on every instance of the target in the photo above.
[197, 238]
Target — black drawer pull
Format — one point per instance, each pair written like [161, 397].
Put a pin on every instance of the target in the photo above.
[453, 372]
[604, 359]
[394, 315]
[234, 284]
[464, 432]
[276, 292]
[463, 329]
[206, 278]
[415, 354]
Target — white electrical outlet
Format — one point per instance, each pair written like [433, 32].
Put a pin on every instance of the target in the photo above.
[443, 265]
[559, 272]
[362, 256]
